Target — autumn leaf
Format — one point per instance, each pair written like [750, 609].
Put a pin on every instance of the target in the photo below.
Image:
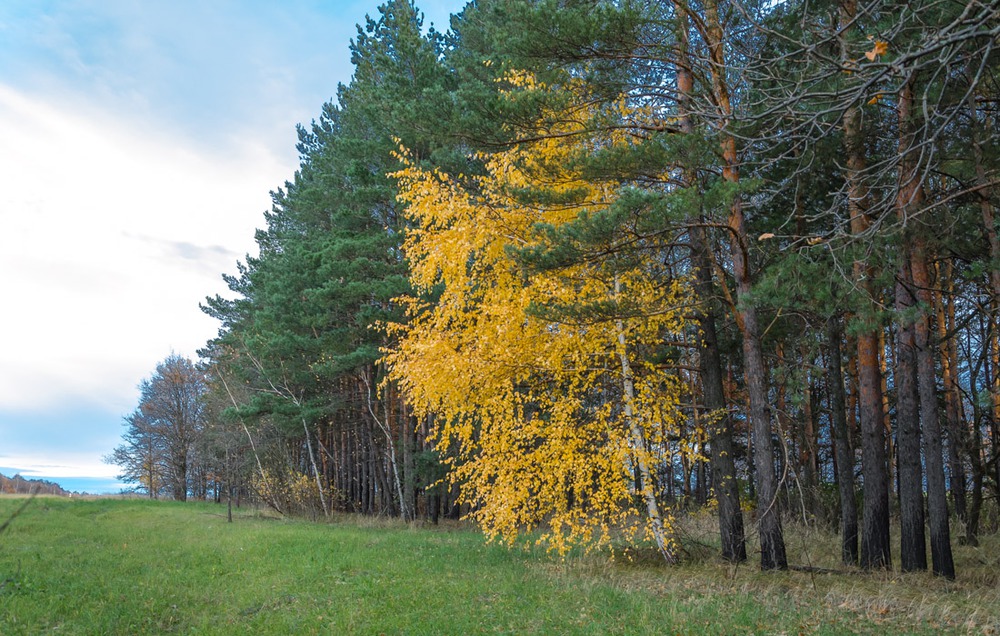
[765, 236]
[880, 48]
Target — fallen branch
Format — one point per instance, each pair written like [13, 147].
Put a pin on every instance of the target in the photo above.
[19, 510]
[816, 570]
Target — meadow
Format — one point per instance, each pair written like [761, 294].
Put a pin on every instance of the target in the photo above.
[127, 566]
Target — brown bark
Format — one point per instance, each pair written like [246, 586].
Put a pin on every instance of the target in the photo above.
[913, 549]
[909, 199]
[722, 447]
[988, 212]
[755, 373]
[942, 562]
[723, 465]
[948, 352]
[875, 550]
[842, 445]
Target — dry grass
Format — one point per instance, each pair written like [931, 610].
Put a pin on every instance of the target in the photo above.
[836, 594]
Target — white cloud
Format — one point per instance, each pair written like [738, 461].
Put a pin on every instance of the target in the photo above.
[54, 466]
[138, 144]
[111, 232]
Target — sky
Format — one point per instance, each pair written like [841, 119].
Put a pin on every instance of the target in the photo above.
[139, 144]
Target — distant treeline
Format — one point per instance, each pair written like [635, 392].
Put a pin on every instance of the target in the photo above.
[18, 485]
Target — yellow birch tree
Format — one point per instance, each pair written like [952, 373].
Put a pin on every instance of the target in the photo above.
[554, 425]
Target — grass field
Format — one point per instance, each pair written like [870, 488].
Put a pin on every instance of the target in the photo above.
[114, 566]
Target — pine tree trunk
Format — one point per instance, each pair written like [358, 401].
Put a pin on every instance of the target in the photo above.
[942, 562]
[875, 549]
[710, 367]
[769, 517]
[364, 457]
[988, 211]
[723, 464]
[913, 548]
[845, 455]
[772, 542]
[229, 491]
[809, 439]
[909, 198]
[993, 420]
[810, 461]
[948, 351]
[792, 440]
[884, 350]
[976, 502]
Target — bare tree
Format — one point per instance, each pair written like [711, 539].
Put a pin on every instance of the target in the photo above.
[140, 456]
[163, 429]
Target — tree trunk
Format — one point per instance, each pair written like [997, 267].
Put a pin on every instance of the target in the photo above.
[913, 543]
[367, 476]
[845, 455]
[909, 199]
[875, 550]
[320, 490]
[790, 438]
[942, 561]
[976, 503]
[772, 543]
[721, 435]
[948, 352]
[638, 440]
[180, 476]
[810, 446]
[408, 426]
[890, 443]
[723, 464]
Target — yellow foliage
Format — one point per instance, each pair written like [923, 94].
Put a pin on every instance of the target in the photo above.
[292, 492]
[880, 48]
[532, 409]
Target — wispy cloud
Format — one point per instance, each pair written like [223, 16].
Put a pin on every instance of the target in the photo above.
[207, 259]
[54, 468]
[212, 70]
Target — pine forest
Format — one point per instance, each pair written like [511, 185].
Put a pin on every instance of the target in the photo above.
[577, 269]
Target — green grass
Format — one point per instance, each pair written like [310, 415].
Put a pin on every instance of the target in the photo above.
[113, 566]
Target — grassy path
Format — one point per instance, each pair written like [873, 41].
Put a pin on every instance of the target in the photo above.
[111, 566]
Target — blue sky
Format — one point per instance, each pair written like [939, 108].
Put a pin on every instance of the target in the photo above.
[139, 141]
